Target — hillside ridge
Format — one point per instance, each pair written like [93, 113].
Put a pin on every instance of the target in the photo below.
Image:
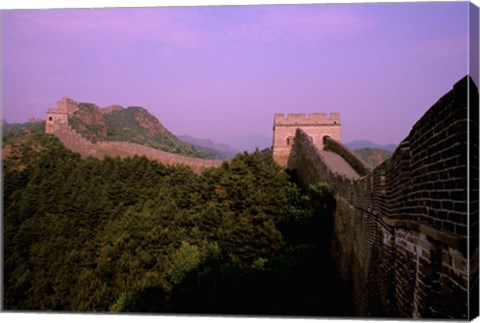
[58, 124]
[132, 124]
[373, 156]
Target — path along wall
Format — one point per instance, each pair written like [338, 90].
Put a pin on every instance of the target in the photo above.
[75, 142]
[401, 231]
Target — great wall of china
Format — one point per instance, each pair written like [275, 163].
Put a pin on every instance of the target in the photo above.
[57, 124]
[404, 236]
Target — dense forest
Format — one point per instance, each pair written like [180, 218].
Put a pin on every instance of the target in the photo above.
[137, 236]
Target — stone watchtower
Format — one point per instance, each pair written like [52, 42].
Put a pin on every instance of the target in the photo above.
[316, 125]
[57, 118]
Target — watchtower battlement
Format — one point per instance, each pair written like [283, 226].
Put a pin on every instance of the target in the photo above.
[58, 125]
[316, 125]
[291, 119]
[67, 105]
[57, 118]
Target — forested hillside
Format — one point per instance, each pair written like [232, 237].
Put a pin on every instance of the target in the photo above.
[132, 124]
[135, 235]
[373, 156]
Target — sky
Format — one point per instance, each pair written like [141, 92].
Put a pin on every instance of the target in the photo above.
[222, 72]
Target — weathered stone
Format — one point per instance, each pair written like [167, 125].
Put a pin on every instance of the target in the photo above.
[57, 124]
[317, 125]
[400, 231]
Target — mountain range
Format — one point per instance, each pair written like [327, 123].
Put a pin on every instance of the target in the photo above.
[373, 156]
[223, 150]
[358, 144]
[15, 127]
[132, 124]
[249, 141]
[137, 125]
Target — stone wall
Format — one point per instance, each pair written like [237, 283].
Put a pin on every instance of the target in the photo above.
[317, 125]
[56, 119]
[67, 105]
[57, 124]
[401, 231]
[75, 142]
[358, 165]
[474, 193]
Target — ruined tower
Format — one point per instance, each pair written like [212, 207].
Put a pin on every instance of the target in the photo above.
[57, 118]
[316, 125]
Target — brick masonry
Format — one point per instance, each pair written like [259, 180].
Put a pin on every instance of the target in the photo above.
[317, 125]
[57, 124]
[473, 141]
[401, 231]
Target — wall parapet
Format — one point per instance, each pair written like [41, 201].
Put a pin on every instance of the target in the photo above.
[56, 111]
[400, 232]
[74, 141]
[317, 125]
[424, 179]
[290, 119]
[330, 144]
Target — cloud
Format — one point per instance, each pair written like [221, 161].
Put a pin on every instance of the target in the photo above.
[304, 24]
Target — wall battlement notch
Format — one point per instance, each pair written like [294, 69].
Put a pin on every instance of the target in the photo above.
[67, 105]
[307, 118]
[316, 125]
[57, 124]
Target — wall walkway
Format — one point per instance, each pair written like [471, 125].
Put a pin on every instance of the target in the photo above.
[75, 142]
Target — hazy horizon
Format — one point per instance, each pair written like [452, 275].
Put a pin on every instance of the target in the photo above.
[223, 72]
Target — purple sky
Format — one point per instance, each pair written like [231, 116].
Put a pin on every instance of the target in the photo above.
[223, 72]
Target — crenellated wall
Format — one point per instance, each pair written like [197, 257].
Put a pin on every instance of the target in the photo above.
[401, 230]
[474, 194]
[67, 105]
[307, 119]
[57, 124]
[357, 164]
[75, 142]
[318, 125]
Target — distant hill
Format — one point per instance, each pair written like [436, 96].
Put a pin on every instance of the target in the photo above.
[358, 144]
[22, 143]
[15, 127]
[249, 141]
[224, 150]
[373, 156]
[132, 124]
